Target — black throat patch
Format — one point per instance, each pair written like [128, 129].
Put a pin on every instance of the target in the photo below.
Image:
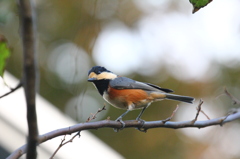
[102, 85]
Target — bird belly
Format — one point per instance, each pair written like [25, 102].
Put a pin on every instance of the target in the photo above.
[118, 103]
[127, 98]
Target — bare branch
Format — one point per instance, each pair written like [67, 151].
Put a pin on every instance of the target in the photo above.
[64, 143]
[93, 116]
[129, 124]
[198, 110]
[234, 99]
[173, 113]
[233, 115]
[205, 114]
[29, 73]
[12, 90]
[60, 145]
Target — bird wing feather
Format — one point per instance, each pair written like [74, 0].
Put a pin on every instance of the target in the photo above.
[127, 83]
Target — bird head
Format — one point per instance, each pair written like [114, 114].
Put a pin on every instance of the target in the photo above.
[97, 73]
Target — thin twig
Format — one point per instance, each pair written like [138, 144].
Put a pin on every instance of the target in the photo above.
[232, 111]
[173, 113]
[60, 145]
[12, 90]
[164, 121]
[205, 114]
[64, 143]
[198, 110]
[93, 116]
[234, 99]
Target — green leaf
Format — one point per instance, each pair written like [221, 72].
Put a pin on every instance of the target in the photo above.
[198, 4]
[4, 54]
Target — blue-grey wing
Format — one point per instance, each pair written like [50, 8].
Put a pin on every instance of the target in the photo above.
[127, 83]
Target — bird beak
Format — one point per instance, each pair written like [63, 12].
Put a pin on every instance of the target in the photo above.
[92, 79]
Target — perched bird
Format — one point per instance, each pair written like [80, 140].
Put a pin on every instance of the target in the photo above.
[125, 93]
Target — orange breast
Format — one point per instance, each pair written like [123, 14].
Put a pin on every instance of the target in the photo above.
[127, 96]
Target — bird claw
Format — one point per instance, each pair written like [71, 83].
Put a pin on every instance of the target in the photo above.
[141, 128]
[123, 124]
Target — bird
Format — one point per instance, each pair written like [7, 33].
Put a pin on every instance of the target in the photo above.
[125, 93]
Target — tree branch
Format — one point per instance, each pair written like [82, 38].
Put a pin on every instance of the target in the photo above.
[29, 74]
[234, 99]
[199, 108]
[63, 142]
[12, 90]
[93, 116]
[129, 124]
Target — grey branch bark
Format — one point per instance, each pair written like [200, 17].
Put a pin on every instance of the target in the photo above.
[29, 73]
[129, 124]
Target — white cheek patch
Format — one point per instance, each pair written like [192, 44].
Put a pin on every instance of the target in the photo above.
[92, 75]
[106, 75]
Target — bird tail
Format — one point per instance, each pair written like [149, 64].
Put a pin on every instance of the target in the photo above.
[180, 98]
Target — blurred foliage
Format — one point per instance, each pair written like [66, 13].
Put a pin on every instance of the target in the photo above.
[80, 22]
[4, 54]
[198, 4]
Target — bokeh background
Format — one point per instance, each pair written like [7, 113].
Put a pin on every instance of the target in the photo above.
[155, 41]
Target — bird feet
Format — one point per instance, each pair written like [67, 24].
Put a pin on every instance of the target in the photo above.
[119, 119]
[142, 124]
